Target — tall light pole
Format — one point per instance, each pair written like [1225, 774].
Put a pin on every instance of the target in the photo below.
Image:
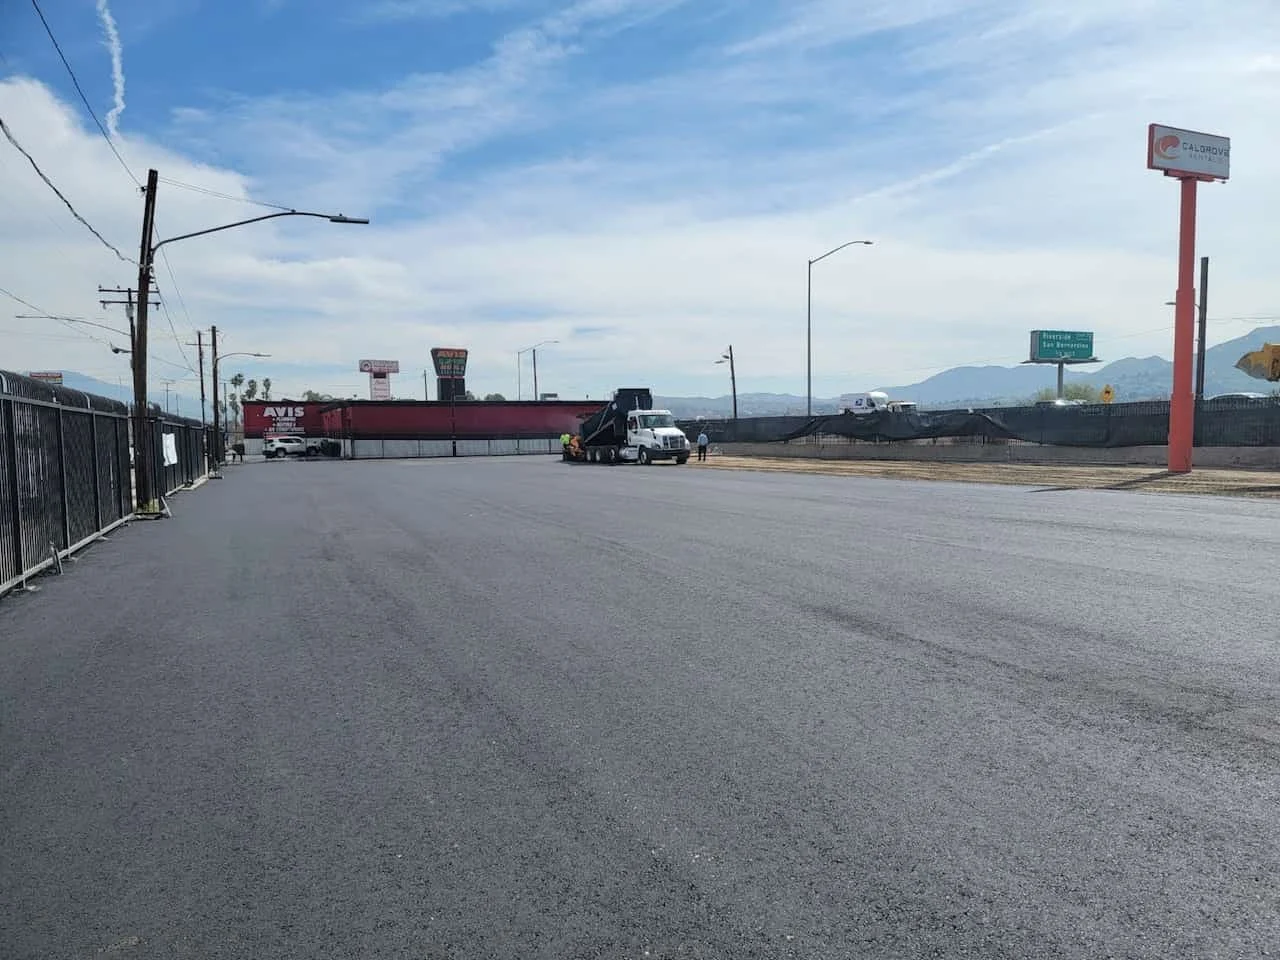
[809, 322]
[520, 372]
[218, 451]
[733, 378]
[147, 502]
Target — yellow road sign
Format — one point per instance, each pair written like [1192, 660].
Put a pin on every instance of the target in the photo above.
[1108, 394]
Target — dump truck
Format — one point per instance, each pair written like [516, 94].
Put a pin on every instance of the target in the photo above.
[628, 429]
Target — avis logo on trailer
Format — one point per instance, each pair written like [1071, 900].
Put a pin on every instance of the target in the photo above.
[278, 413]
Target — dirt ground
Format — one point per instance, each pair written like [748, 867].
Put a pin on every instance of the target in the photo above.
[1244, 483]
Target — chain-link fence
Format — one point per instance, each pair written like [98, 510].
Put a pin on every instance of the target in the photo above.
[1229, 422]
[65, 473]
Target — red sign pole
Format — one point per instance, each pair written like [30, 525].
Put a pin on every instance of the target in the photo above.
[1182, 402]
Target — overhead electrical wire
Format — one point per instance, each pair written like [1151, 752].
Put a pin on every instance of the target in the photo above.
[222, 196]
[84, 99]
[52, 186]
[123, 163]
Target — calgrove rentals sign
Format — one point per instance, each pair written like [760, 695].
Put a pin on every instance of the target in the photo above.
[1186, 153]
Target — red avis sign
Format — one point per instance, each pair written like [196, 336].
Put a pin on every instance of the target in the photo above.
[281, 416]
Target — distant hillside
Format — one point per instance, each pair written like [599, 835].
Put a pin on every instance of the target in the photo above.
[1132, 378]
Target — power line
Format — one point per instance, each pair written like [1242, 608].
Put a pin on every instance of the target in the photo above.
[222, 196]
[176, 339]
[74, 212]
[25, 303]
[88, 106]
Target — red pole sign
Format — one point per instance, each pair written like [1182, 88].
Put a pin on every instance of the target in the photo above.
[1182, 412]
[1190, 157]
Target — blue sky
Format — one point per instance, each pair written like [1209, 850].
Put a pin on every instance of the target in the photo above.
[641, 181]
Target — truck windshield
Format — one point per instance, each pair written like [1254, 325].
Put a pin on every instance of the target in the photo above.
[651, 420]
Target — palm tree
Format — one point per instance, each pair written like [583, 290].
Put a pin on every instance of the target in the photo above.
[266, 388]
[250, 390]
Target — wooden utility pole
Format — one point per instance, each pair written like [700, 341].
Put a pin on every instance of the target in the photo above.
[147, 501]
[217, 426]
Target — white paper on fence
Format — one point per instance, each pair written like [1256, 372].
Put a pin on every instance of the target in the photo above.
[170, 450]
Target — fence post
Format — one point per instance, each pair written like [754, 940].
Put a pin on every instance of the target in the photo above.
[62, 472]
[11, 431]
[97, 475]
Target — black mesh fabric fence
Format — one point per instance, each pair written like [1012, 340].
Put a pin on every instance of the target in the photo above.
[64, 473]
[1219, 423]
[178, 445]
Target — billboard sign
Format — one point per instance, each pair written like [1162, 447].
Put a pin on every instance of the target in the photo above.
[379, 366]
[450, 362]
[379, 388]
[283, 417]
[47, 376]
[1186, 153]
[1061, 346]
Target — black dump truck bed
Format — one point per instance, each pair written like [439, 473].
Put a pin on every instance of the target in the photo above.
[608, 425]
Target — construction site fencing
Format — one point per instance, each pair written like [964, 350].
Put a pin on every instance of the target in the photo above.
[1231, 422]
[178, 447]
[65, 476]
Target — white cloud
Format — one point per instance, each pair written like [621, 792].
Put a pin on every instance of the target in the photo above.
[1000, 172]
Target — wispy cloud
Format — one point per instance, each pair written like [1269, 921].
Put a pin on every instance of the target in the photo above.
[116, 50]
[644, 181]
[395, 10]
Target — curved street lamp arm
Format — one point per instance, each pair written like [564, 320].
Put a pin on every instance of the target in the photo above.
[332, 218]
[851, 243]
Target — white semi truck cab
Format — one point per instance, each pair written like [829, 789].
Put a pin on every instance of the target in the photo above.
[653, 435]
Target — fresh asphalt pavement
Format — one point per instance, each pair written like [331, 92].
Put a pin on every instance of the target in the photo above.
[519, 708]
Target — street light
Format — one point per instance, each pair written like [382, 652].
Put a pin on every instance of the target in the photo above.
[146, 499]
[520, 373]
[809, 320]
[733, 378]
[218, 450]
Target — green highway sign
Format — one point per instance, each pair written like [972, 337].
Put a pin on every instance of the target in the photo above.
[1058, 346]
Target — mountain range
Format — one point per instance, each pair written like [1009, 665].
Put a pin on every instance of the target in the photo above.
[1132, 379]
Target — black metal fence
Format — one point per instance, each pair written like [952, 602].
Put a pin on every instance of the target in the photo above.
[65, 474]
[1229, 422]
[179, 448]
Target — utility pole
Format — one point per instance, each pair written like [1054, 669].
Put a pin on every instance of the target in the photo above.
[1204, 320]
[217, 429]
[147, 500]
[204, 432]
[127, 302]
[733, 382]
[535, 373]
[426, 388]
[727, 356]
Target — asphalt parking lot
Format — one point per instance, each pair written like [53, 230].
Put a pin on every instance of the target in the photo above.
[520, 708]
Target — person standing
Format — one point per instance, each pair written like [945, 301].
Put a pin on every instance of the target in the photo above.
[702, 445]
